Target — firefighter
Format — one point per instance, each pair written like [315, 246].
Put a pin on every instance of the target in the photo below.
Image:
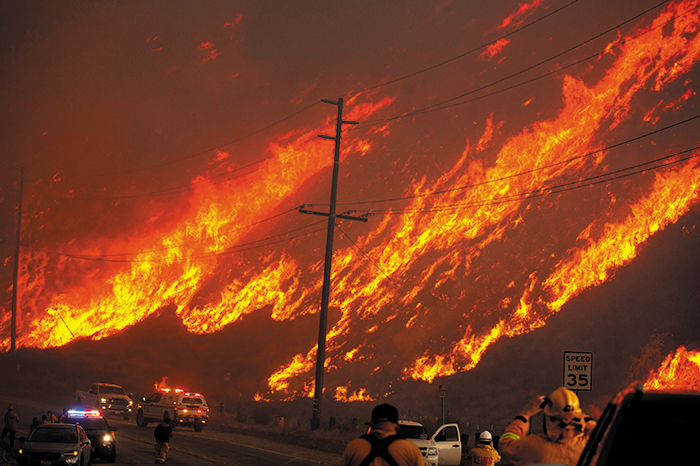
[162, 434]
[381, 446]
[483, 453]
[11, 421]
[566, 431]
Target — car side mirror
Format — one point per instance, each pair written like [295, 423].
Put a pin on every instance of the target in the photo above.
[22, 439]
[114, 429]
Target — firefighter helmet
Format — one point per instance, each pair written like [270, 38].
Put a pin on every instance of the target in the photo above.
[485, 437]
[563, 404]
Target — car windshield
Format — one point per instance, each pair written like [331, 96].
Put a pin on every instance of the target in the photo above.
[192, 401]
[54, 435]
[89, 423]
[418, 432]
[113, 390]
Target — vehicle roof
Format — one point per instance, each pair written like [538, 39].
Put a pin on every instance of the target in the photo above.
[403, 422]
[55, 425]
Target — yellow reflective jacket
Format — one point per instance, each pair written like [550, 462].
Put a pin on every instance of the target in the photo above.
[522, 449]
[484, 455]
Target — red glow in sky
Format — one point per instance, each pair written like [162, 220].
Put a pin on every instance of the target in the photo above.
[511, 157]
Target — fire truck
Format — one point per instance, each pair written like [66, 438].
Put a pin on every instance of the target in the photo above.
[181, 407]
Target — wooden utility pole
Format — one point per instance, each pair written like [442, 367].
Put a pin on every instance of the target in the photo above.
[15, 274]
[323, 319]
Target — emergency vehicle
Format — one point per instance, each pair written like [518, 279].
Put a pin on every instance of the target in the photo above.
[100, 433]
[183, 408]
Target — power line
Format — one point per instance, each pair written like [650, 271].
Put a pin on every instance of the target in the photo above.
[557, 189]
[536, 193]
[233, 249]
[435, 107]
[442, 105]
[288, 117]
[192, 186]
[462, 55]
[219, 147]
[189, 243]
[369, 258]
[525, 172]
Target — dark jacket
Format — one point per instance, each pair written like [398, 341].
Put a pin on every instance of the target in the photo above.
[163, 432]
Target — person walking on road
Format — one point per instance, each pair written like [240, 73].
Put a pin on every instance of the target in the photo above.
[381, 446]
[483, 453]
[162, 433]
[566, 431]
[11, 421]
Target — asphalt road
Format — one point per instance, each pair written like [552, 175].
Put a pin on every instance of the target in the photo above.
[135, 445]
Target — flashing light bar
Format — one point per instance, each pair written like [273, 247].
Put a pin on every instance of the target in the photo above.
[76, 412]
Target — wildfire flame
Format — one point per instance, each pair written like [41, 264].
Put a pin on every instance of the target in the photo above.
[431, 281]
[679, 371]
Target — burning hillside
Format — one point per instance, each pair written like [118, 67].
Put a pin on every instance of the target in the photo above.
[679, 371]
[467, 242]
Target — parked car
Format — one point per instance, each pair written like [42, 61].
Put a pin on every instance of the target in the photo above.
[645, 427]
[183, 409]
[100, 433]
[55, 444]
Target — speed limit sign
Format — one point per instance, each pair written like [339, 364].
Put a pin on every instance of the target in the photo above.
[578, 370]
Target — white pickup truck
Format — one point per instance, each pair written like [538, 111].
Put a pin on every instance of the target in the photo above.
[444, 448]
[106, 397]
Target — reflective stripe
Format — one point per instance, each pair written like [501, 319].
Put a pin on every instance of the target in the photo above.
[510, 435]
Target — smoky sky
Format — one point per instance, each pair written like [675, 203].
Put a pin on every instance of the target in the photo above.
[113, 108]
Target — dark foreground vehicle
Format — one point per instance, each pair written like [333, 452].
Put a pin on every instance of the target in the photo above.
[640, 428]
[54, 445]
[100, 433]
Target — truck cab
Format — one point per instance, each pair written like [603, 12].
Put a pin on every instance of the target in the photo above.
[444, 448]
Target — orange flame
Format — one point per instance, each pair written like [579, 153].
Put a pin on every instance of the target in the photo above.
[341, 394]
[679, 371]
[652, 60]
[431, 255]
[172, 267]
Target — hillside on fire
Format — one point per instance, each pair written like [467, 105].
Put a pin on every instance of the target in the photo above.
[526, 176]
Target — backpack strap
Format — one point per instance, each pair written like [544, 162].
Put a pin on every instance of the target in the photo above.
[380, 448]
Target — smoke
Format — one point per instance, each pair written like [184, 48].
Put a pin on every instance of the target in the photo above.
[116, 119]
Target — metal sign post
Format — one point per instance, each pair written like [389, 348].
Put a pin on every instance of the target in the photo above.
[441, 391]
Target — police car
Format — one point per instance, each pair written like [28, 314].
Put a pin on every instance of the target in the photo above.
[100, 433]
[183, 408]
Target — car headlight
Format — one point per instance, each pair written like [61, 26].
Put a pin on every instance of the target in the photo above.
[103, 400]
[24, 451]
[107, 438]
[432, 451]
[72, 453]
